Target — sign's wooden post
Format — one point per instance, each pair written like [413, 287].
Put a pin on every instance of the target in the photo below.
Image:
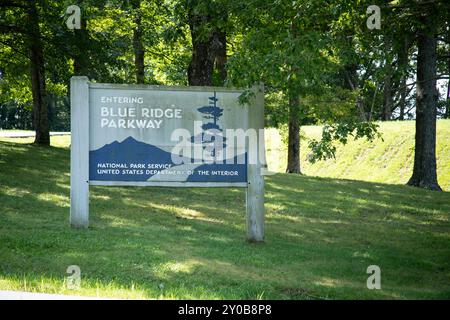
[255, 188]
[79, 152]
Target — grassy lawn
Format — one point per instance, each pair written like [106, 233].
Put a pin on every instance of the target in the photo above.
[321, 235]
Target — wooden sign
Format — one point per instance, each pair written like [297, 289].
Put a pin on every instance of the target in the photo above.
[142, 135]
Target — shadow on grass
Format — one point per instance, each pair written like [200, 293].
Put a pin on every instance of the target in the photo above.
[321, 234]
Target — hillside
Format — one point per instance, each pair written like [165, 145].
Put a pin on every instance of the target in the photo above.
[389, 160]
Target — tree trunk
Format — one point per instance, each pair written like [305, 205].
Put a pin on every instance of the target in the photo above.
[81, 57]
[221, 55]
[424, 172]
[350, 78]
[138, 47]
[208, 43]
[388, 100]
[37, 73]
[403, 65]
[293, 162]
[202, 64]
[351, 83]
[447, 101]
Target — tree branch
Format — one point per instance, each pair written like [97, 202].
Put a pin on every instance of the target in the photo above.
[439, 77]
[14, 49]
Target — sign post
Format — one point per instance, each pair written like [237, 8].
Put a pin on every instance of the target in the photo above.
[138, 135]
[79, 152]
[255, 188]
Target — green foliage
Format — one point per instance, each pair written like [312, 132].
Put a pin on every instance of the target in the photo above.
[101, 50]
[295, 51]
[340, 132]
[321, 52]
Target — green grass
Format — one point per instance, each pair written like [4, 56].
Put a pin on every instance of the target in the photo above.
[321, 235]
[388, 161]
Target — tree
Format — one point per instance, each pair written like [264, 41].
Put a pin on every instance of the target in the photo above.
[388, 99]
[29, 31]
[80, 48]
[37, 70]
[290, 46]
[145, 16]
[403, 62]
[424, 171]
[138, 47]
[34, 35]
[208, 23]
[276, 51]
